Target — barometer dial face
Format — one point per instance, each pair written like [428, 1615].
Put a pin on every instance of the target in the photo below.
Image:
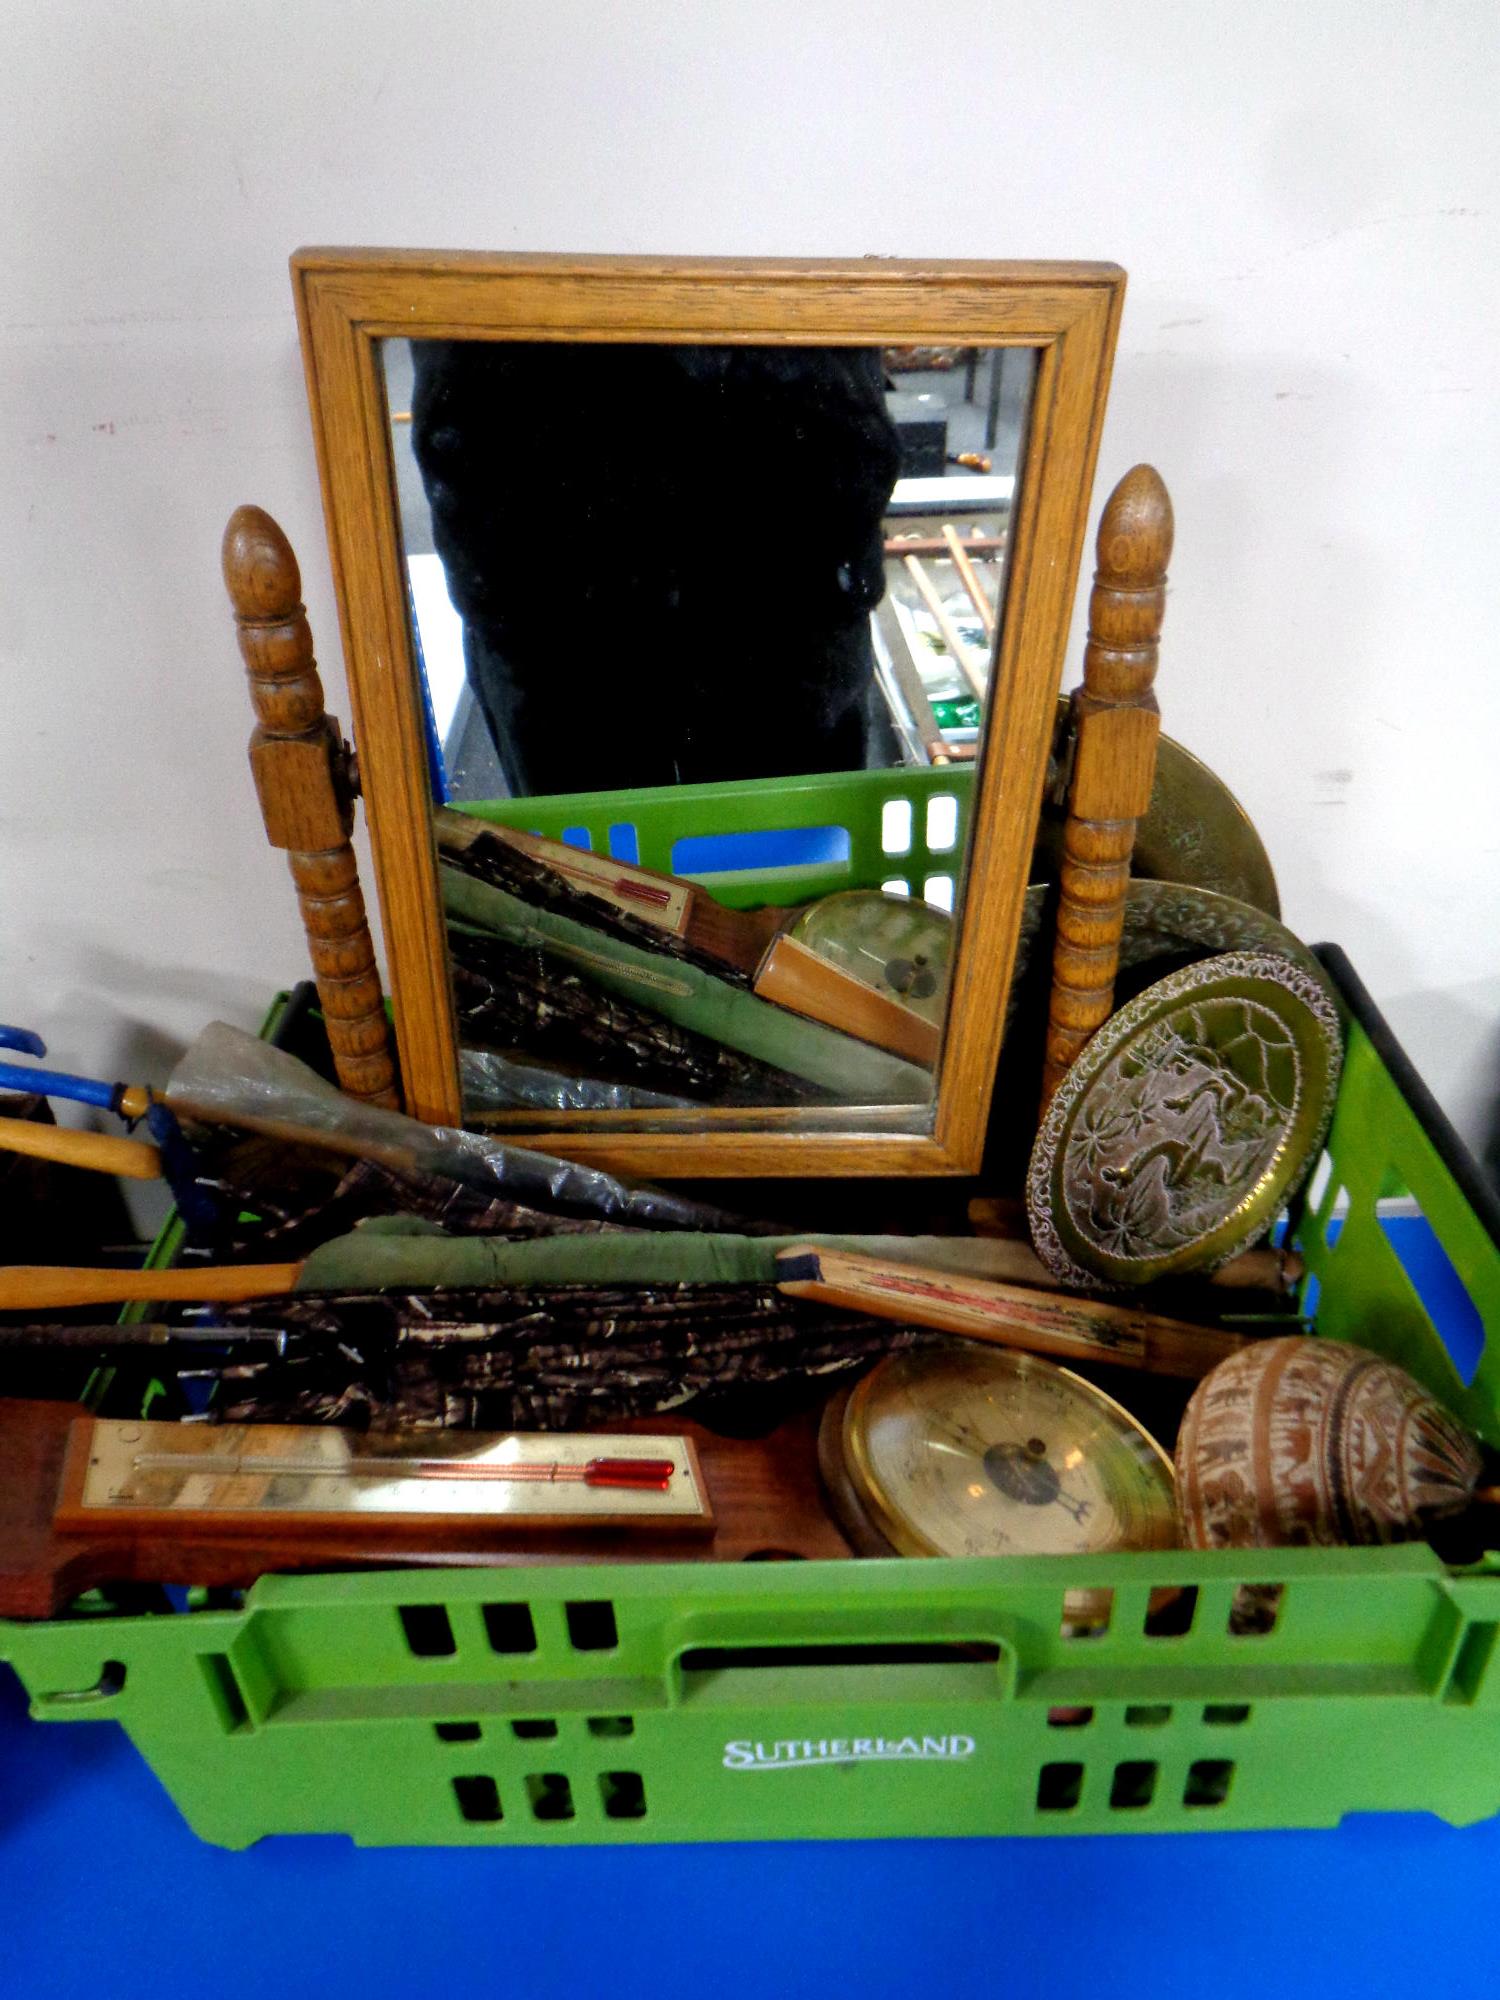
[895, 944]
[975, 1451]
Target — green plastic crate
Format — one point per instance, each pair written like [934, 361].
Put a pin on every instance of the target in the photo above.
[774, 1700]
[851, 802]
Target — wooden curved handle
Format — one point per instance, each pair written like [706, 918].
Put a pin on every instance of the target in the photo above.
[102, 1152]
[1114, 762]
[297, 760]
[38, 1287]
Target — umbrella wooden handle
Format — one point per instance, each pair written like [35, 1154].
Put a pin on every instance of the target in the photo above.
[27, 1287]
[99, 1151]
[1114, 762]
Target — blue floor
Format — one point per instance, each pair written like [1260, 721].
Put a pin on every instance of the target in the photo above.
[104, 1892]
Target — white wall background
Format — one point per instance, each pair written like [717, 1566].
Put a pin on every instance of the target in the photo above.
[1306, 196]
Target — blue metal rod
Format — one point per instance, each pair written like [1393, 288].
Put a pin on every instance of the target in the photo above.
[58, 1083]
[23, 1039]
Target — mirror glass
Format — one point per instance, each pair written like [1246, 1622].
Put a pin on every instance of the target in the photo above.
[704, 635]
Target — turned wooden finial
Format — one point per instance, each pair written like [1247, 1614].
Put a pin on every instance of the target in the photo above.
[1132, 551]
[260, 571]
[298, 762]
[1115, 724]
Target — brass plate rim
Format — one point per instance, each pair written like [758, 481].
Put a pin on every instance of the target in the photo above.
[1143, 895]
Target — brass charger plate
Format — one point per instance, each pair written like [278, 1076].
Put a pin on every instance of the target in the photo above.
[1191, 1116]
[1195, 830]
[966, 1450]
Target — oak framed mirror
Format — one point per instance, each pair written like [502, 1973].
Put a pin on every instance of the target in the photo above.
[704, 622]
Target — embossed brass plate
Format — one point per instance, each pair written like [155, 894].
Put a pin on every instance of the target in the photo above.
[1186, 1123]
[1197, 831]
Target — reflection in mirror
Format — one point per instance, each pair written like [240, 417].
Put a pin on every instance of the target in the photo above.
[705, 637]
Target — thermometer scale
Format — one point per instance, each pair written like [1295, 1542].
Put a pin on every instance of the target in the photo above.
[124, 1473]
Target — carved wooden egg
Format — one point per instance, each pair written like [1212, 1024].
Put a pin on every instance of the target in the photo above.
[1300, 1441]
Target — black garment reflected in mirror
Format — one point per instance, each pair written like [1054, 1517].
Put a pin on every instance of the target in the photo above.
[664, 557]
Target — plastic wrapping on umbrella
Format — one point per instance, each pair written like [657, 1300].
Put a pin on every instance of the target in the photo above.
[230, 1077]
[495, 1082]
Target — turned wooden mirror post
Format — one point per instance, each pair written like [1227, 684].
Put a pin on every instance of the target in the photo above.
[353, 304]
[1114, 762]
[298, 760]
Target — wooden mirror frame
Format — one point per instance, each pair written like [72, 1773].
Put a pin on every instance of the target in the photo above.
[348, 301]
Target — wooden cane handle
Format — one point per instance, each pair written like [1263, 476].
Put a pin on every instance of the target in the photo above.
[296, 756]
[100, 1151]
[1114, 763]
[31, 1287]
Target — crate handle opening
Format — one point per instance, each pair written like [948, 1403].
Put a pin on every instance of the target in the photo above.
[855, 1653]
[110, 1682]
[832, 1673]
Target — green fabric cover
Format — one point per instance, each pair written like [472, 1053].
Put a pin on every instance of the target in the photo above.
[383, 1259]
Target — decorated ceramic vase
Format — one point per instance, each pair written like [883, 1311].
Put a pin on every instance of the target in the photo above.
[1302, 1441]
